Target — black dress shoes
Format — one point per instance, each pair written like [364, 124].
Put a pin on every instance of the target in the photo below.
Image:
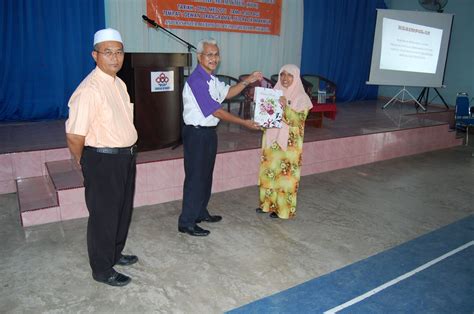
[126, 260]
[115, 280]
[215, 218]
[194, 231]
[259, 211]
[274, 215]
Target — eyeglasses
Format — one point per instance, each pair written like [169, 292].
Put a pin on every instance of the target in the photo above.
[211, 55]
[110, 53]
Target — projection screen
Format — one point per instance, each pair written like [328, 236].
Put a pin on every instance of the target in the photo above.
[410, 48]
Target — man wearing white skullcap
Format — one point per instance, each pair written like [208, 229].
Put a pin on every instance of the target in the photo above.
[108, 34]
[101, 137]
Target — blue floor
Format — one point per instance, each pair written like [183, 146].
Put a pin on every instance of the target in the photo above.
[444, 287]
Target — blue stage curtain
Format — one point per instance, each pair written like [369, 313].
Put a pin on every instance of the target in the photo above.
[337, 44]
[45, 53]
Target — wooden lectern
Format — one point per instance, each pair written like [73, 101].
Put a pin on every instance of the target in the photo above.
[157, 115]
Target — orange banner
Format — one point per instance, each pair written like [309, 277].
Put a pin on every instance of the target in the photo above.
[257, 16]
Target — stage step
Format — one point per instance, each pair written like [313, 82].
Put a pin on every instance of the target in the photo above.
[38, 200]
[65, 174]
[36, 193]
[59, 195]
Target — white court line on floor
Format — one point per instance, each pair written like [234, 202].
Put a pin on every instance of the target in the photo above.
[398, 279]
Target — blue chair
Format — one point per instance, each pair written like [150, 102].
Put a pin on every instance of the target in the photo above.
[463, 115]
[322, 89]
[274, 78]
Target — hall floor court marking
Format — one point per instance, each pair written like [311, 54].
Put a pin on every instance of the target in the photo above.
[433, 273]
[397, 280]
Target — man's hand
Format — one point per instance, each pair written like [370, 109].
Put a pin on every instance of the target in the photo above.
[237, 88]
[76, 145]
[252, 125]
[255, 76]
[229, 117]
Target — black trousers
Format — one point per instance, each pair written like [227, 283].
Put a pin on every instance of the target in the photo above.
[109, 181]
[200, 149]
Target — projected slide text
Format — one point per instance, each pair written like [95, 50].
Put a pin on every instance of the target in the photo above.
[409, 47]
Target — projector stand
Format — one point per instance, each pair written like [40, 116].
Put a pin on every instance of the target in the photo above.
[424, 94]
[402, 100]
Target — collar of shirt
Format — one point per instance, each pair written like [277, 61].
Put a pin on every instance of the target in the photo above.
[105, 76]
[203, 72]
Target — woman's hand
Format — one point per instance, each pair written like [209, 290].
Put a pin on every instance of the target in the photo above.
[283, 101]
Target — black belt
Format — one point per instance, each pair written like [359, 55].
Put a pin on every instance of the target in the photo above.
[202, 127]
[113, 150]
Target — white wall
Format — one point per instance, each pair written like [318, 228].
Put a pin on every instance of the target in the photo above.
[240, 53]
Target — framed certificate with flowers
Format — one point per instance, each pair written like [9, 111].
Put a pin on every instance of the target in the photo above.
[268, 111]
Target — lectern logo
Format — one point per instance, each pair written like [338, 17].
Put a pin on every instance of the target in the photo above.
[162, 81]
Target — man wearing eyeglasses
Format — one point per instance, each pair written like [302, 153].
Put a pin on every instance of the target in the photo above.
[203, 94]
[101, 137]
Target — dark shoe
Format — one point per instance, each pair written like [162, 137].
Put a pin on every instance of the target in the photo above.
[274, 215]
[194, 231]
[215, 218]
[116, 280]
[126, 260]
[259, 211]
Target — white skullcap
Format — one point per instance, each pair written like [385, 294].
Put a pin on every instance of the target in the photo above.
[108, 34]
